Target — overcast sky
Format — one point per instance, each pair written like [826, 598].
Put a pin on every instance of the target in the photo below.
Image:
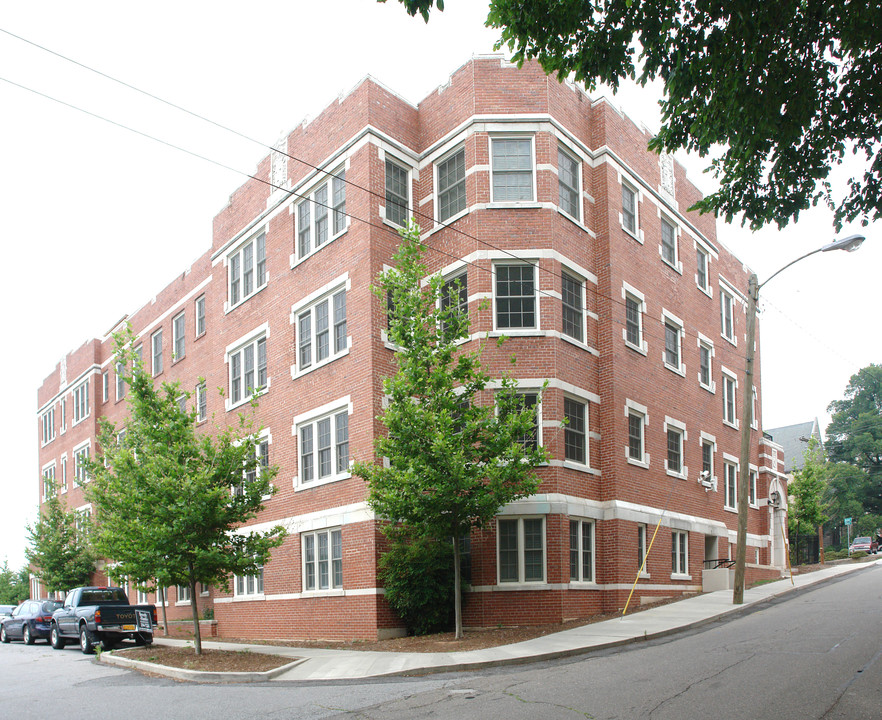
[97, 219]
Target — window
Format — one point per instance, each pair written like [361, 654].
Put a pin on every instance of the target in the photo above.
[63, 413]
[323, 560]
[49, 481]
[321, 331]
[672, 345]
[634, 320]
[641, 549]
[397, 195]
[568, 183]
[48, 422]
[575, 432]
[313, 229]
[729, 387]
[730, 502]
[521, 550]
[636, 448]
[81, 402]
[200, 315]
[105, 385]
[701, 272]
[707, 459]
[247, 269]
[530, 400]
[183, 593]
[629, 209]
[679, 553]
[573, 304]
[512, 169]
[248, 374]
[156, 344]
[201, 402]
[727, 315]
[120, 382]
[247, 585]
[455, 296]
[324, 448]
[182, 403]
[81, 457]
[179, 328]
[451, 186]
[754, 420]
[338, 199]
[705, 364]
[64, 474]
[751, 487]
[515, 296]
[668, 242]
[581, 550]
[142, 597]
[675, 451]
[261, 452]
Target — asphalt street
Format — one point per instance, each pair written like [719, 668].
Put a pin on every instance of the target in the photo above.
[815, 654]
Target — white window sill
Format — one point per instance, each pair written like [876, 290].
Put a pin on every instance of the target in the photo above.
[298, 485]
[248, 598]
[228, 308]
[633, 234]
[514, 205]
[712, 388]
[182, 603]
[295, 261]
[729, 423]
[706, 290]
[517, 332]
[642, 350]
[726, 508]
[583, 585]
[680, 576]
[677, 267]
[732, 341]
[678, 370]
[532, 585]
[644, 576]
[673, 473]
[639, 463]
[338, 592]
[441, 224]
[578, 467]
[295, 373]
[576, 221]
[239, 403]
[574, 341]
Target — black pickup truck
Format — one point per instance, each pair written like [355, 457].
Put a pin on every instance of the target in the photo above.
[103, 615]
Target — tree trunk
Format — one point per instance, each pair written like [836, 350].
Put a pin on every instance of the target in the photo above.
[457, 589]
[821, 542]
[197, 637]
[160, 595]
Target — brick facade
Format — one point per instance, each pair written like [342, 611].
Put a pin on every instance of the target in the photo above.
[605, 497]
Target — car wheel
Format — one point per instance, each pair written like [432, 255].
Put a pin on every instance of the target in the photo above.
[3, 636]
[55, 638]
[26, 635]
[87, 644]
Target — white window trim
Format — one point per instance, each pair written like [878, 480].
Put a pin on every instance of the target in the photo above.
[533, 264]
[632, 407]
[712, 441]
[709, 290]
[677, 265]
[724, 294]
[642, 538]
[63, 479]
[753, 470]
[532, 202]
[386, 156]
[47, 426]
[577, 158]
[680, 427]
[565, 270]
[637, 233]
[252, 337]
[684, 535]
[667, 318]
[87, 446]
[153, 371]
[312, 417]
[635, 294]
[436, 191]
[332, 590]
[754, 409]
[178, 601]
[196, 304]
[105, 386]
[175, 337]
[50, 466]
[730, 461]
[581, 582]
[201, 389]
[259, 438]
[707, 342]
[521, 564]
[735, 422]
[326, 292]
[246, 596]
[81, 387]
[251, 239]
[587, 433]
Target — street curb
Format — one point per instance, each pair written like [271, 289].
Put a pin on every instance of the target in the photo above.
[199, 676]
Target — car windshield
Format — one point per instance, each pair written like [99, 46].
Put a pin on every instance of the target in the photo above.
[862, 540]
[96, 596]
[50, 606]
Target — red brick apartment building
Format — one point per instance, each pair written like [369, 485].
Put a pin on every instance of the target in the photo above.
[572, 240]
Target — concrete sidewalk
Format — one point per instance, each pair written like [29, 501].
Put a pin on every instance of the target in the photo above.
[320, 664]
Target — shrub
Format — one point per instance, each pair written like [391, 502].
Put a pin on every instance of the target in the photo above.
[835, 554]
[858, 555]
[417, 573]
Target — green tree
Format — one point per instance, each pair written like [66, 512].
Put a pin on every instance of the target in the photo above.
[807, 490]
[854, 435]
[169, 500]
[59, 546]
[779, 92]
[453, 461]
[14, 585]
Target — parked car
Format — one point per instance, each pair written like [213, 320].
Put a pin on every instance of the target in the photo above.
[867, 544]
[29, 621]
[103, 615]
[6, 611]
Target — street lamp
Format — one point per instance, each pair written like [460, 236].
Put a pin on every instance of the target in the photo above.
[850, 244]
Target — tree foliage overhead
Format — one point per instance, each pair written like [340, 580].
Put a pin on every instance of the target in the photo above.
[169, 499]
[454, 457]
[783, 91]
[14, 585]
[854, 434]
[59, 547]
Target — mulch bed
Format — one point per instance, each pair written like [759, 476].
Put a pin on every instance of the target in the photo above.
[209, 660]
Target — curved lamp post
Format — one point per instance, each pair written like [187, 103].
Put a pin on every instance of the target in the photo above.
[850, 243]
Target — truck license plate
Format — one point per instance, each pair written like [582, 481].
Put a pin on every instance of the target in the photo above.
[128, 627]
